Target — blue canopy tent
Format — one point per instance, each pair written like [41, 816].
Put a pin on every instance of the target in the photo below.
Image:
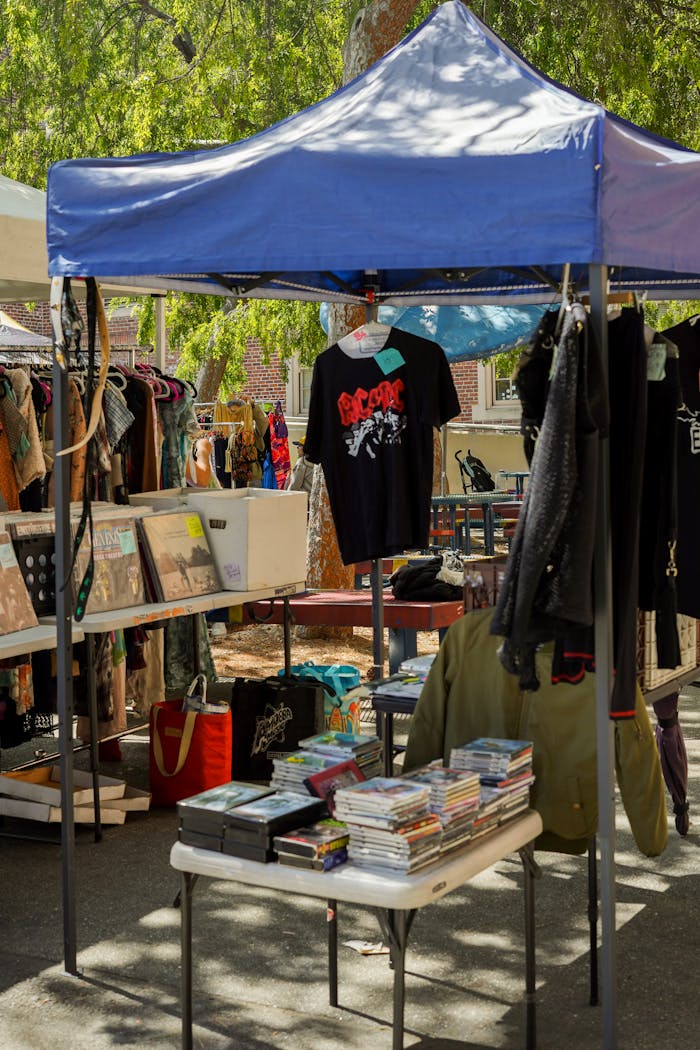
[451, 172]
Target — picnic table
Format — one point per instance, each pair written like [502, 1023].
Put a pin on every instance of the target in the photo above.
[354, 609]
[456, 511]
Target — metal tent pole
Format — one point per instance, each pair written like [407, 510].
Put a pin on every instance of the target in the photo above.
[605, 730]
[64, 639]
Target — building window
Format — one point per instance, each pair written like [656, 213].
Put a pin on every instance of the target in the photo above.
[298, 389]
[497, 397]
[305, 375]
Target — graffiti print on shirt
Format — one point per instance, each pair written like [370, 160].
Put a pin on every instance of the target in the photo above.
[374, 417]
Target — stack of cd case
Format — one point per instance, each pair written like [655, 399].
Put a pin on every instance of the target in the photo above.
[202, 817]
[250, 828]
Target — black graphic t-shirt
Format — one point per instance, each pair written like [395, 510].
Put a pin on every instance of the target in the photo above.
[371, 425]
[686, 336]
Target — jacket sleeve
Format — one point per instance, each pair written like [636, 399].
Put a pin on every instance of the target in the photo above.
[640, 780]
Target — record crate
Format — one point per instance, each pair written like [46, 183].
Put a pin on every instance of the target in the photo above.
[648, 673]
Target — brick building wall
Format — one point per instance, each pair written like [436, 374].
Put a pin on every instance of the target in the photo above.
[264, 382]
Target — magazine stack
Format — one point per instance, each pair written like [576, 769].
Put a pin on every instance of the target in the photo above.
[454, 798]
[364, 749]
[505, 773]
[391, 827]
[319, 846]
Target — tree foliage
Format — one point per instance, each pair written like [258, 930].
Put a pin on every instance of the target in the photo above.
[116, 77]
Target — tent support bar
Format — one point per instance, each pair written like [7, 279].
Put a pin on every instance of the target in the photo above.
[605, 730]
[247, 286]
[64, 633]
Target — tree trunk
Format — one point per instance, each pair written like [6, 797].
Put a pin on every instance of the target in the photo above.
[209, 379]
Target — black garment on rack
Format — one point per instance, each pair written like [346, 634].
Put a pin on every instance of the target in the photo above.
[686, 336]
[224, 476]
[659, 512]
[574, 653]
[547, 585]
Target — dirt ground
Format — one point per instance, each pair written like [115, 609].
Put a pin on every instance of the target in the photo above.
[258, 650]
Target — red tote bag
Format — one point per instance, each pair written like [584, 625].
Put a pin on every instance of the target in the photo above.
[189, 752]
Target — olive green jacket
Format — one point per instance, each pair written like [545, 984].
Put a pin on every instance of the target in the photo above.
[469, 694]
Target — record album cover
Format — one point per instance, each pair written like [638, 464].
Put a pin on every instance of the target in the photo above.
[16, 611]
[179, 556]
[117, 578]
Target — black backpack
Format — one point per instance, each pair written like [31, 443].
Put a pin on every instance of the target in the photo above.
[474, 473]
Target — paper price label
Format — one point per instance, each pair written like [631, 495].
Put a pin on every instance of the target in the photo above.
[127, 541]
[389, 359]
[194, 525]
[232, 571]
[7, 555]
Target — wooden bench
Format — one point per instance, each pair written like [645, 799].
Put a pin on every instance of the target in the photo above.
[354, 609]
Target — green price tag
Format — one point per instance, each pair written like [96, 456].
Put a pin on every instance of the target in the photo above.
[127, 541]
[389, 359]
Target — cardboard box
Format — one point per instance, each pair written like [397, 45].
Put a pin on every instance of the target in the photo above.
[133, 800]
[43, 785]
[257, 536]
[42, 811]
[162, 499]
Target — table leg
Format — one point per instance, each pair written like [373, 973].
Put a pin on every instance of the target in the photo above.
[332, 919]
[403, 644]
[593, 919]
[396, 925]
[94, 731]
[530, 872]
[388, 744]
[186, 887]
[489, 529]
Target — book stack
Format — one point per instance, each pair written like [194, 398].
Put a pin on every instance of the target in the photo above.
[202, 816]
[250, 829]
[454, 798]
[390, 825]
[319, 846]
[364, 748]
[505, 773]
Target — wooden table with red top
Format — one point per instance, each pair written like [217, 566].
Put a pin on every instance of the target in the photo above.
[354, 609]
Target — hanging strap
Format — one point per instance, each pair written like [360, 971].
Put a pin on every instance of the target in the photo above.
[185, 742]
[96, 406]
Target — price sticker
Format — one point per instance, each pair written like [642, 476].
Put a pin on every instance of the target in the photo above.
[127, 541]
[194, 525]
[389, 359]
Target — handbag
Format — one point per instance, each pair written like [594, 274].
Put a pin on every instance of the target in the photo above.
[340, 715]
[189, 750]
[271, 715]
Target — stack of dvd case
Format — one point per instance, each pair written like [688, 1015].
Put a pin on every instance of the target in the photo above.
[289, 772]
[249, 829]
[391, 827]
[202, 816]
[505, 771]
[454, 798]
[364, 749]
[320, 846]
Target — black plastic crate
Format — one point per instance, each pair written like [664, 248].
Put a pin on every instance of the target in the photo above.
[36, 556]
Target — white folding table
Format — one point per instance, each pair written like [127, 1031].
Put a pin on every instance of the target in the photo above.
[396, 899]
